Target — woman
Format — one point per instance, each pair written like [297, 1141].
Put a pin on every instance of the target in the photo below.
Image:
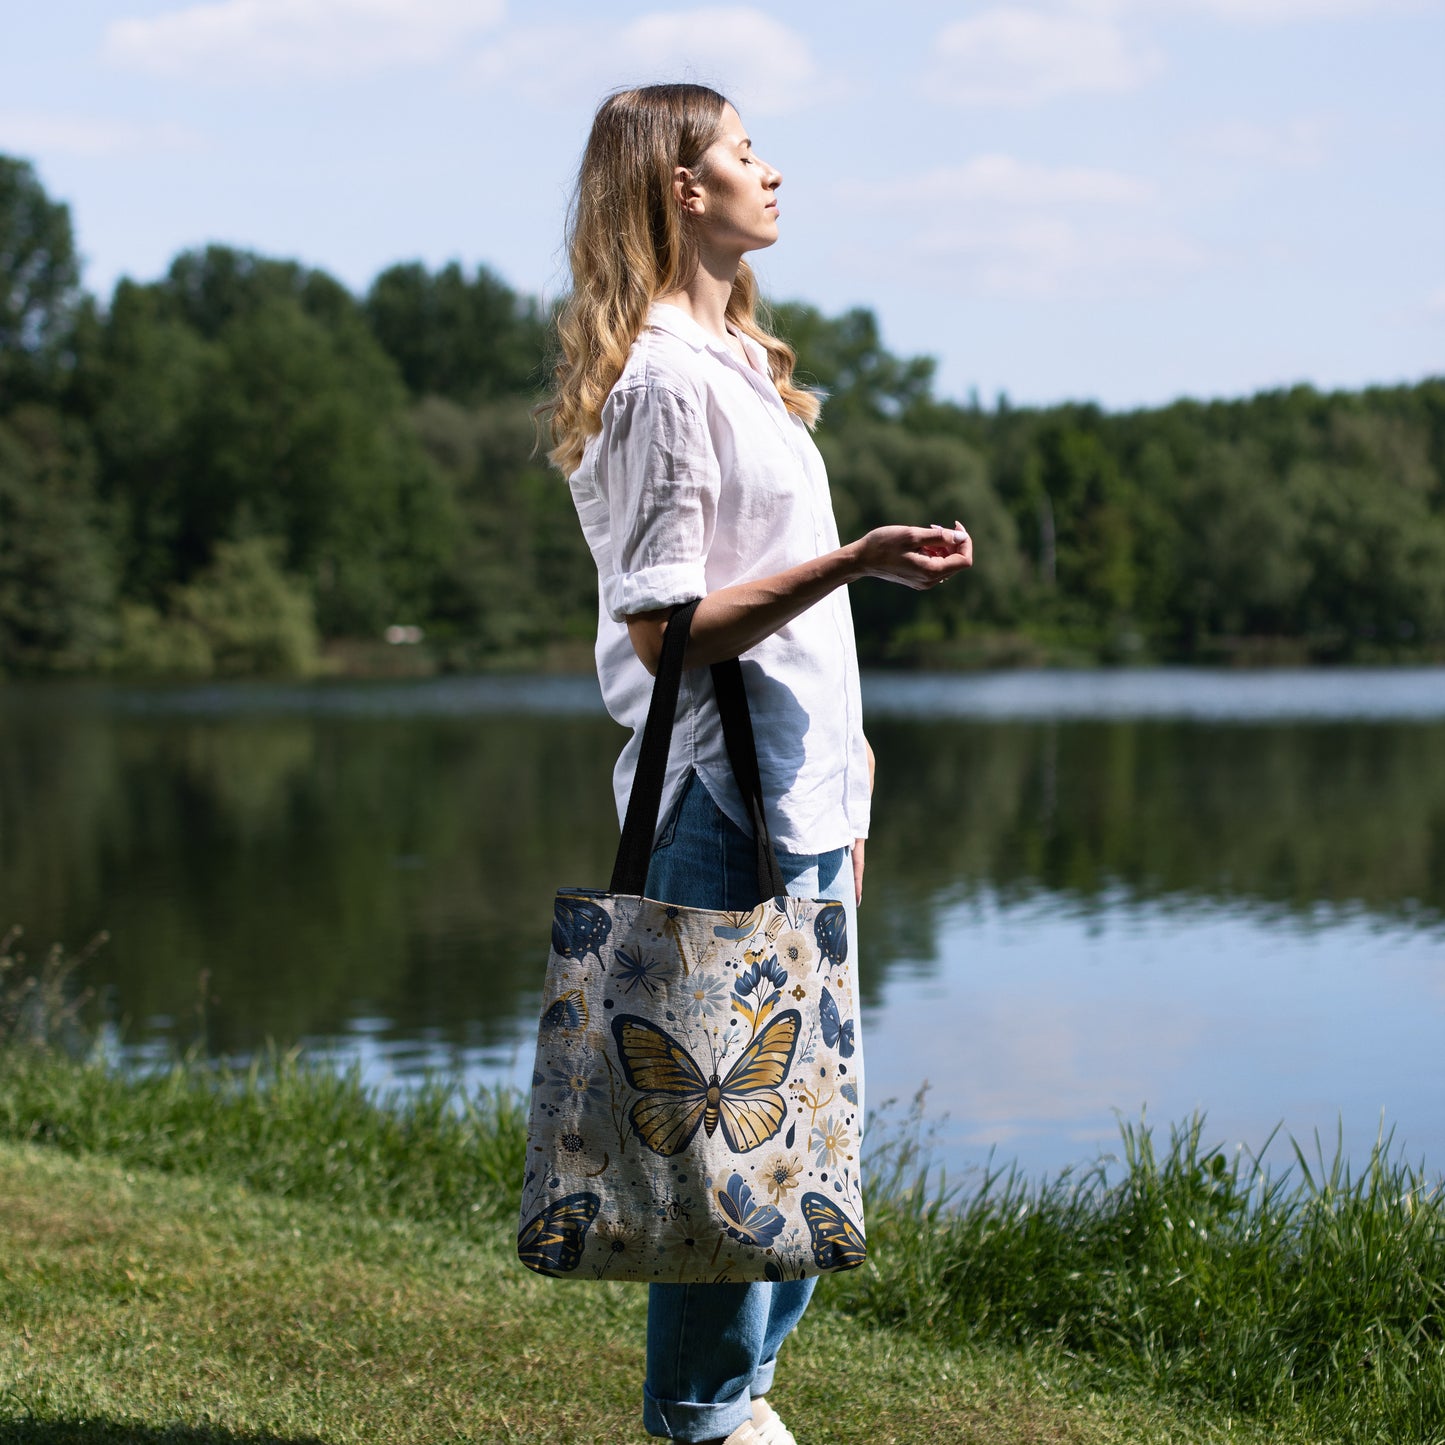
[687, 445]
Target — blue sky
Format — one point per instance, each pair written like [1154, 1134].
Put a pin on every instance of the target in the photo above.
[1090, 199]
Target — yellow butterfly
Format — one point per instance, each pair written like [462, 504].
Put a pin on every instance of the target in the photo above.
[837, 1241]
[551, 1242]
[680, 1096]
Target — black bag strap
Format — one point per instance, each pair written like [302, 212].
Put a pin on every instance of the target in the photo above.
[639, 828]
[737, 726]
[634, 851]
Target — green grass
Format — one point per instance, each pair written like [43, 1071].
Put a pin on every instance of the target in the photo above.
[286, 1128]
[1317, 1295]
[1184, 1296]
[142, 1307]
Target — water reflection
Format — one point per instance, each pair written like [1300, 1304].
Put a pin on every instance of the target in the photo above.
[1082, 911]
[313, 869]
[1036, 1022]
[1275, 815]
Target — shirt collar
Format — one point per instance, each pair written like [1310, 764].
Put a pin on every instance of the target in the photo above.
[662, 316]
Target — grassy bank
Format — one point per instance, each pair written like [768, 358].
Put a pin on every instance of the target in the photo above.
[144, 1308]
[1183, 1297]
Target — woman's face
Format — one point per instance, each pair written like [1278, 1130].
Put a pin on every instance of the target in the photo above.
[734, 204]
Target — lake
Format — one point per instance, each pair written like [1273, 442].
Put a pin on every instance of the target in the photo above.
[1089, 894]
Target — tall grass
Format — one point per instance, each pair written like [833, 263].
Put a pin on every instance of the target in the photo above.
[1316, 1293]
[39, 1007]
[1316, 1290]
[286, 1127]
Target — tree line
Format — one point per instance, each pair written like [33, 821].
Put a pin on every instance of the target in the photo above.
[243, 466]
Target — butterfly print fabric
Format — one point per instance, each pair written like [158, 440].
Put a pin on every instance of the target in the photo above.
[697, 1099]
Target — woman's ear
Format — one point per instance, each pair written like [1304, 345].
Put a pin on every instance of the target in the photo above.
[687, 191]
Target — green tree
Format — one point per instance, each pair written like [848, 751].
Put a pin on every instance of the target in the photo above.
[1244, 570]
[1084, 502]
[1376, 559]
[39, 286]
[881, 473]
[467, 338]
[243, 397]
[57, 583]
[255, 617]
[521, 576]
[145, 375]
[845, 357]
[301, 434]
[1160, 539]
[241, 616]
[212, 287]
[379, 453]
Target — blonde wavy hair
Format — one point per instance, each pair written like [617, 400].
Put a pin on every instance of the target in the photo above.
[628, 244]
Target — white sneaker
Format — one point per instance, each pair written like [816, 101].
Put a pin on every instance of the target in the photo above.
[744, 1435]
[767, 1427]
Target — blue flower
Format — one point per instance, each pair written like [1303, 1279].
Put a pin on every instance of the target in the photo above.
[828, 1142]
[644, 971]
[576, 1084]
[758, 972]
[703, 996]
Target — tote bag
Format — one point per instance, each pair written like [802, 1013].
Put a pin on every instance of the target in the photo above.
[695, 1112]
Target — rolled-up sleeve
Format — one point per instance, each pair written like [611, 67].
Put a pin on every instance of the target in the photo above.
[659, 476]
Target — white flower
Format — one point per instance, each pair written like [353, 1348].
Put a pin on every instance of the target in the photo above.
[794, 951]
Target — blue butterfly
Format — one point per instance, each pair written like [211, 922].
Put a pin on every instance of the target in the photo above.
[567, 1014]
[837, 1242]
[747, 1222]
[579, 927]
[836, 1034]
[830, 928]
[551, 1241]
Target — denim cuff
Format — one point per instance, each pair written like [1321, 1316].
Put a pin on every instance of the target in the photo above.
[763, 1379]
[692, 1420]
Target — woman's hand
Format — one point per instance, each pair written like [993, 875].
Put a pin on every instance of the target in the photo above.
[918, 557]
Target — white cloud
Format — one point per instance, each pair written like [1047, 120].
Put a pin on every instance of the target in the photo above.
[1296, 145]
[247, 38]
[1004, 180]
[997, 225]
[37, 133]
[1252, 12]
[1045, 256]
[1017, 56]
[1265, 12]
[762, 64]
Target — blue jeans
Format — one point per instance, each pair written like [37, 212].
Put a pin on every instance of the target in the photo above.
[711, 1348]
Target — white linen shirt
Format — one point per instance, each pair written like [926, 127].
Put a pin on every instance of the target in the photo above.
[700, 477]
